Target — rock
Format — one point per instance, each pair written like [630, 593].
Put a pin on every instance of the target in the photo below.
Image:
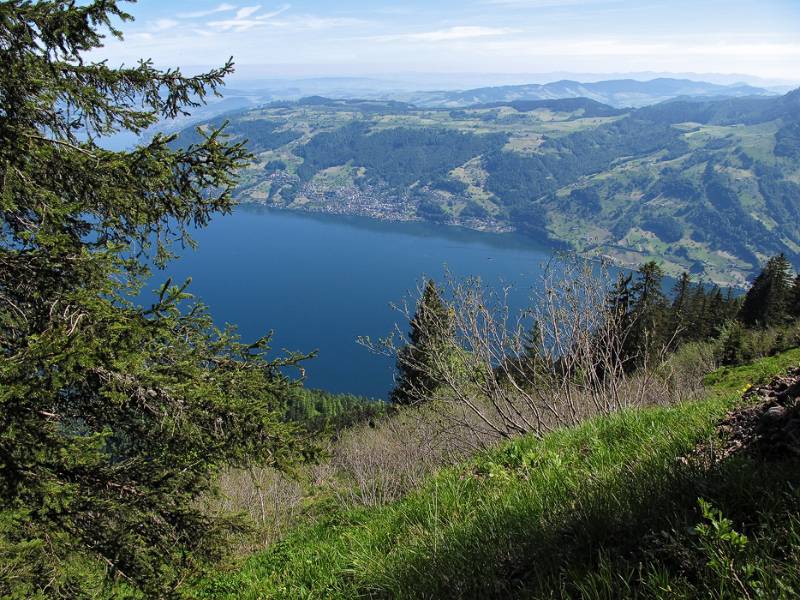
[790, 392]
[768, 427]
[773, 415]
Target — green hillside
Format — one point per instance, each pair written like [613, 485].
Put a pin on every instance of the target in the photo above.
[612, 508]
[710, 186]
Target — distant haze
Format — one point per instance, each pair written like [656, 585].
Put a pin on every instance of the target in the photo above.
[576, 39]
[256, 76]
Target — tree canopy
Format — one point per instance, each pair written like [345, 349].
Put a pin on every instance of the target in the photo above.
[768, 301]
[114, 418]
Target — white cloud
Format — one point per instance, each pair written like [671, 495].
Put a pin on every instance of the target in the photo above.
[548, 3]
[141, 37]
[224, 7]
[246, 11]
[315, 23]
[246, 19]
[163, 25]
[462, 32]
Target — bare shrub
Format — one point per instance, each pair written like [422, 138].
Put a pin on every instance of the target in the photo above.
[684, 370]
[549, 366]
[271, 499]
[378, 464]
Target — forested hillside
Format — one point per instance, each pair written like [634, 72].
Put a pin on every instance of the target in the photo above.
[710, 186]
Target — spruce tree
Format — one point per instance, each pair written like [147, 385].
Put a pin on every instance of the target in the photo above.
[619, 304]
[794, 298]
[620, 300]
[767, 301]
[733, 344]
[732, 304]
[717, 313]
[698, 308]
[430, 331]
[680, 316]
[114, 418]
[534, 362]
[533, 350]
[650, 314]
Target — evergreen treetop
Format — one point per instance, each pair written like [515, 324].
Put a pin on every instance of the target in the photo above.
[767, 301]
[681, 303]
[648, 314]
[430, 329]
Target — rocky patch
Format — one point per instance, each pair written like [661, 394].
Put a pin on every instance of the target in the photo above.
[769, 427]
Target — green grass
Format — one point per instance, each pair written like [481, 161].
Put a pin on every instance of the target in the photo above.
[728, 380]
[603, 510]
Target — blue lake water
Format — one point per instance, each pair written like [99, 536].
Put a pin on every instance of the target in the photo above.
[321, 281]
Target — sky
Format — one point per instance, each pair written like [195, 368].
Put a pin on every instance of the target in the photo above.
[372, 38]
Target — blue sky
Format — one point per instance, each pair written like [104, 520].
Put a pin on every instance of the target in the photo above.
[384, 37]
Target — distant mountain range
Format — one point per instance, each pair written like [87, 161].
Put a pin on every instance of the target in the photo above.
[617, 93]
[705, 184]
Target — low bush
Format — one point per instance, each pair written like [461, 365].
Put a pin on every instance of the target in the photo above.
[271, 501]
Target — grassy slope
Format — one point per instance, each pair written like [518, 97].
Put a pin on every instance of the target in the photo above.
[600, 510]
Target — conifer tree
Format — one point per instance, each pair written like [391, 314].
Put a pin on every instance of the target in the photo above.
[431, 328]
[535, 361]
[680, 313]
[698, 308]
[619, 304]
[794, 302]
[114, 418]
[733, 343]
[621, 294]
[650, 313]
[532, 344]
[732, 304]
[721, 309]
[767, 301]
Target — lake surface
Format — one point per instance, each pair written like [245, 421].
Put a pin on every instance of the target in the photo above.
[321, 281]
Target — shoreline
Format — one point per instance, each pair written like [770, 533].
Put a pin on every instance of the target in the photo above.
[501, 237]
[497, 235]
